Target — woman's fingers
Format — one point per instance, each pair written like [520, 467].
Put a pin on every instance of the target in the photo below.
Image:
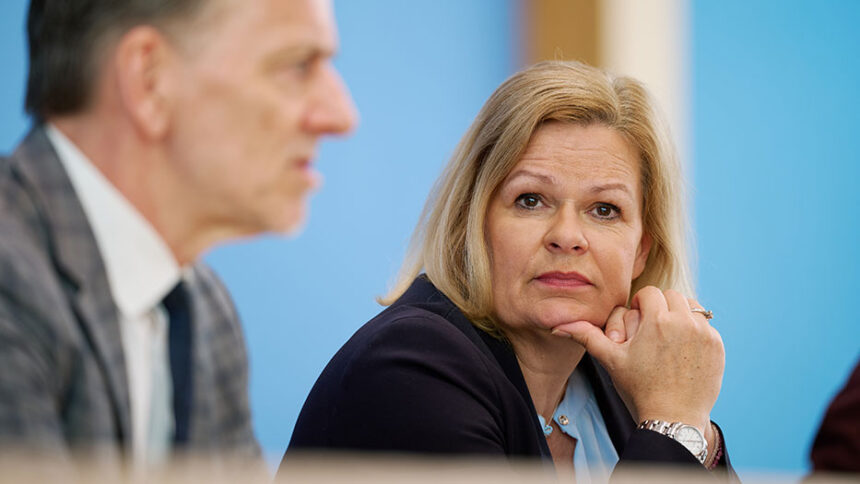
[650, 302]
[615, 329]
[664, 362]
[592, 338]
[671, 365]
[631, 322]
[677, 302]
[697, 315]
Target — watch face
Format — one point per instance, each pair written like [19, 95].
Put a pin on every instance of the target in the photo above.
[691, 438]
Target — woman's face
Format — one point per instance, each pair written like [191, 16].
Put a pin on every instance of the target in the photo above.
[565, 229]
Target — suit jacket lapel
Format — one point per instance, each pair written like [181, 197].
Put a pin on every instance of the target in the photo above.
[204, 403]
[75, 254]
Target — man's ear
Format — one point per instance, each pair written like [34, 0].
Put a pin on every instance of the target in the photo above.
[141, 62]
[642, 254]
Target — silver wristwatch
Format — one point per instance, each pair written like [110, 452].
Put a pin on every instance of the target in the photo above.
[686, 435]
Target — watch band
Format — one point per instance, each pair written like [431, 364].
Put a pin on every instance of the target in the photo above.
[673, 429]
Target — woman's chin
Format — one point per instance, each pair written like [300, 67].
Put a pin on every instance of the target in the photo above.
[557, 314]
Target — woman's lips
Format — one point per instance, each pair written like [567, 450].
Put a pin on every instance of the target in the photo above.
[563, 279]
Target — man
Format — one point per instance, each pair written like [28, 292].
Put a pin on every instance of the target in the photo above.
[161, 127]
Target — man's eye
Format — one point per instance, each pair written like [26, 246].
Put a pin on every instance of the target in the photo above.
[529, 201]
[305, 66]
[297, 70]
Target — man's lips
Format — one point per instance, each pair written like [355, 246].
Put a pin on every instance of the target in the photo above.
[563, 279]
[308, 172]
[304, 162]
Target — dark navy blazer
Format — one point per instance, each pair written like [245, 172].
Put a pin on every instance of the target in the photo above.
[420, 378]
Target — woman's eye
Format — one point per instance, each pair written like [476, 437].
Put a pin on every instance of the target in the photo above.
[606, 211]
[529, 201]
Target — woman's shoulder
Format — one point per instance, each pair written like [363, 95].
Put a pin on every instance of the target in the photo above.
[422, 337]
[410, 379]
[422, 317]
[431, 333]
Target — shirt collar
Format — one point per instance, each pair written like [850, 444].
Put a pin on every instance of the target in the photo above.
[576, 395]
[141, 269]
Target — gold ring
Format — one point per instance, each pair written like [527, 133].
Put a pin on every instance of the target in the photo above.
[709, 315]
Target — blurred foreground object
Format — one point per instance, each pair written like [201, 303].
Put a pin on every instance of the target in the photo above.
[837, 446]
[355, 468]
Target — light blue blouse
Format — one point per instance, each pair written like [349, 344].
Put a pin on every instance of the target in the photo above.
[578, 416]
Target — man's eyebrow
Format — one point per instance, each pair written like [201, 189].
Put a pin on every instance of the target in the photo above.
[531, 174]
[298, 52]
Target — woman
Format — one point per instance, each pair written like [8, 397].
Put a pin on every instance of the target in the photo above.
[553, 260]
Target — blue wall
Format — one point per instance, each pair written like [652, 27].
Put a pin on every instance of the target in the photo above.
[777, 164]
[775, 168]
[13, 66]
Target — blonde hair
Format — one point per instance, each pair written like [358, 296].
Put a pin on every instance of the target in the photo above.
[448, 243]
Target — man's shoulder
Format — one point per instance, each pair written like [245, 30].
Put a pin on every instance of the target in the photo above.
[216, 318]
[24, 244]
[19, 213]
[33, 300]
[32, 290]
[207, 282]
[208, 288]
[26, 268]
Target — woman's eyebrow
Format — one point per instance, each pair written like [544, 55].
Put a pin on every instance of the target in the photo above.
[612, 186]
[531, 174]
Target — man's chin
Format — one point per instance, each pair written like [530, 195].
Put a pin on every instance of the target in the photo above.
[293, 223]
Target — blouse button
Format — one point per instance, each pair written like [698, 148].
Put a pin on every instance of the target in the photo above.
[562, 419]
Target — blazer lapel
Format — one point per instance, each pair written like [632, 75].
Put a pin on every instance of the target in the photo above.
[619, 423]
[75, 254]
[507, 359]
[422, 291]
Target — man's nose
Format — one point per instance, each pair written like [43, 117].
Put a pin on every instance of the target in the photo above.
[333, 111]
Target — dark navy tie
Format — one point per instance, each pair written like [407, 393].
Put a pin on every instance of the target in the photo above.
[178, 308]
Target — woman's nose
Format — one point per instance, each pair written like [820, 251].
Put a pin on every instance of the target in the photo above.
[565, 233]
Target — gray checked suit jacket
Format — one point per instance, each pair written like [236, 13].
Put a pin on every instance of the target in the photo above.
[63, 384]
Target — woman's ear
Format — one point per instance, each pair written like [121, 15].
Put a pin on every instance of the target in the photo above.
[642, 254]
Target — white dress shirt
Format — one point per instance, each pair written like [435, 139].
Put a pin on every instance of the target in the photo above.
[141, 270]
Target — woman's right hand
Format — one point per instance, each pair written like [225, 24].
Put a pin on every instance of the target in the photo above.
[668, 362]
